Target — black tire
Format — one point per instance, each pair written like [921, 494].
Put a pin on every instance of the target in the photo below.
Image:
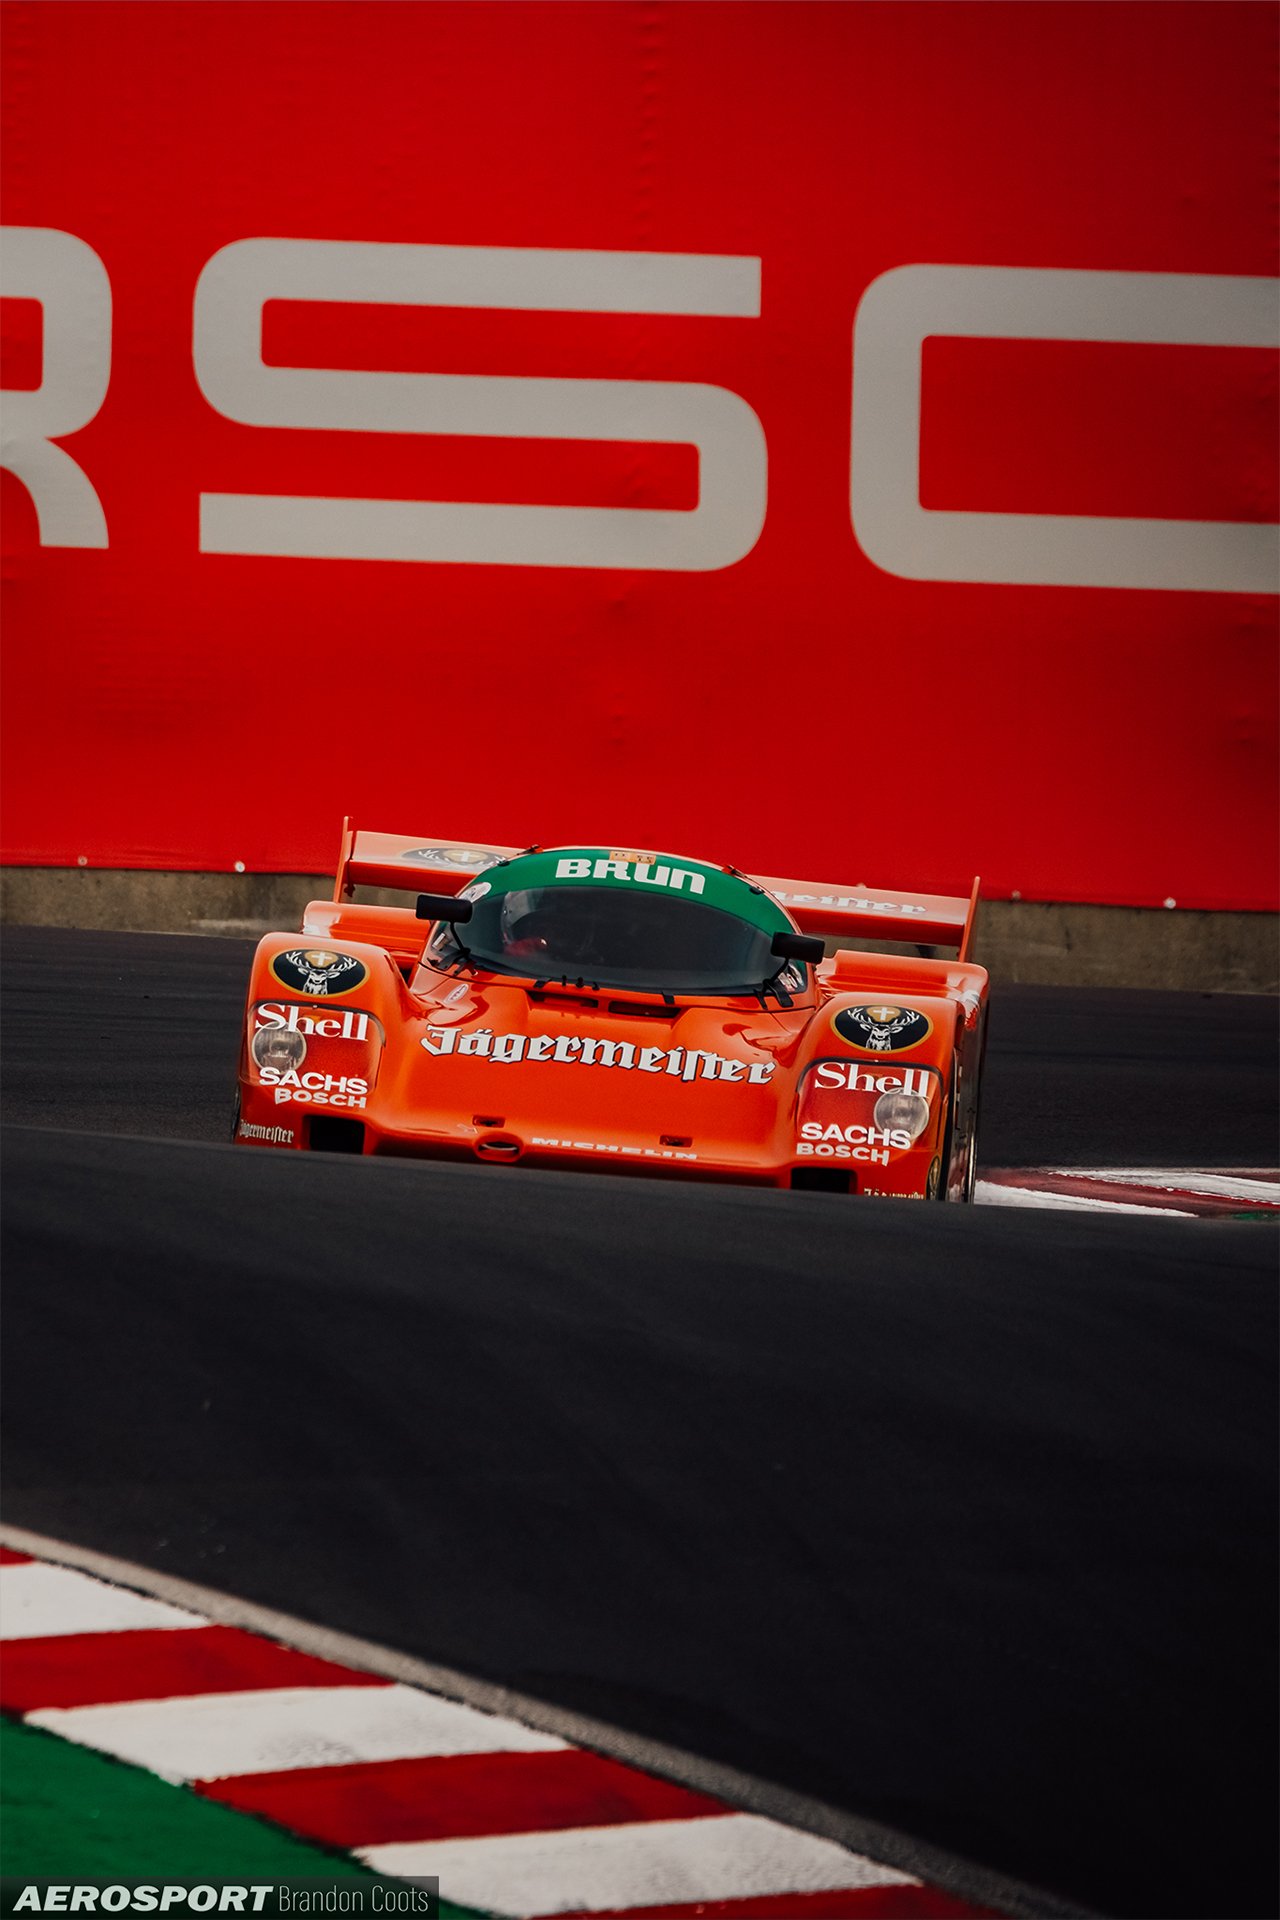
[948, 1136]
[971, 1171]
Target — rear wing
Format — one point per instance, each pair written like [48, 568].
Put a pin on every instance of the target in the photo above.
[446, 866]
[924, 919]
[412, 866]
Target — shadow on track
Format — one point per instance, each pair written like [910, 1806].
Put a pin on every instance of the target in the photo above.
[960, 1519]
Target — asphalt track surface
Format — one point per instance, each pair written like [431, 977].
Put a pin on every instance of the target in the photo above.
[961, 1519]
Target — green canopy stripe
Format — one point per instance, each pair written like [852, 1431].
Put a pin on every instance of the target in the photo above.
[670, 873]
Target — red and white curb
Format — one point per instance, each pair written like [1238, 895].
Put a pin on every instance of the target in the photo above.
[514, 1821]
[1182, 1190]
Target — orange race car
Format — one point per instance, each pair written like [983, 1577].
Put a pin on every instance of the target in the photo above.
[619, 1010]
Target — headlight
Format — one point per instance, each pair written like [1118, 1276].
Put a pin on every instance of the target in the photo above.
[280, 1047]
[908, 1112]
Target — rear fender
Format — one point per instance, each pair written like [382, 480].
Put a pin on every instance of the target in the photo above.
[891, 976]
[397, 930]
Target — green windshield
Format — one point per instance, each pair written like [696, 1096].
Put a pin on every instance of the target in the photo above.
[655, 924]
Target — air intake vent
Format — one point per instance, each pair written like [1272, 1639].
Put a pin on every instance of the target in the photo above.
[822, 1179]
[643, 1008]
[329, 1134]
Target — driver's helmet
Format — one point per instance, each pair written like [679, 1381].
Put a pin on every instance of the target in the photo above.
[539, 920]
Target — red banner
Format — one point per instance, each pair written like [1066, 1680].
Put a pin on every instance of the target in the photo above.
[826, 438]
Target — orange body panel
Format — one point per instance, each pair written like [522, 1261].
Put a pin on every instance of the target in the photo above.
[353, 1043]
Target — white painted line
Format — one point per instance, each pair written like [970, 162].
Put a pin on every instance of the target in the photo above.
[1222, 1186]
[649, 1863]
[38, 1601]
[994, 1193]
[211, 1736]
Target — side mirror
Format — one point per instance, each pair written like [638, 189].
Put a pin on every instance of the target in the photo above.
[443, 906]
[797, 946]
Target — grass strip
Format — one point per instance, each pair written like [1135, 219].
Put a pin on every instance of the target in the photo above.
[70, 1814]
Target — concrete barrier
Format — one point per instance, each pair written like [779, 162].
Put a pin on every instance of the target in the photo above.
[1018, 940]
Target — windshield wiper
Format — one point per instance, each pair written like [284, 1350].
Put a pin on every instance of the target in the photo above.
[463, 959]
[565, 981]
[774, 985]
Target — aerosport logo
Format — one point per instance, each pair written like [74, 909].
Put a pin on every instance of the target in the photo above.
[420, 1896]
[882, 1029]
[141, 1897]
